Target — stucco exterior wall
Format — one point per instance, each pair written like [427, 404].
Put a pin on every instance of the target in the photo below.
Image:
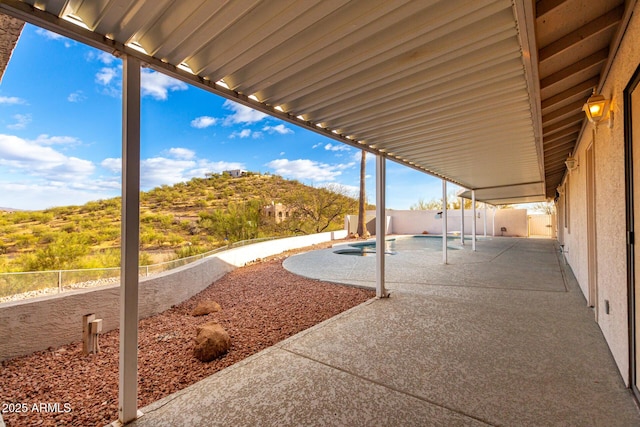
[576, 229]
[514, 220]
[51, 321]
[609, 205]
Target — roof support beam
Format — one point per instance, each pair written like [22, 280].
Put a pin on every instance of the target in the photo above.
[550, 148]
[562, 133]
[563, 112]
[575, 91]
[556, 127]
[582, 34]
[493, 199]
[545, 6]
[583, 65]
[509, 185]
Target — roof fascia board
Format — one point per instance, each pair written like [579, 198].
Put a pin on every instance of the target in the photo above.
[525, 15]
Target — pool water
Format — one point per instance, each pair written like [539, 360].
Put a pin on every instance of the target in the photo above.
[403, 244]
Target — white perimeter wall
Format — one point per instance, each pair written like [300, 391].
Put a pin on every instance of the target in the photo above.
[609, 203]
[51, 321]
[419, 221]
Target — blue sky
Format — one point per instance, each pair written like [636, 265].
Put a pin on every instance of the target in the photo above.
[60, 134]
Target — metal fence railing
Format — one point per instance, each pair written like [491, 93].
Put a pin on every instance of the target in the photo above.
[35, 283]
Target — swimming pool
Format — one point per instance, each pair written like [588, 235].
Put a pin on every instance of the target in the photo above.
[429, 243]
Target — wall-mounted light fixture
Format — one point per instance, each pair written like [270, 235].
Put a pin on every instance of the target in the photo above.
[597, 109]
[571, 162]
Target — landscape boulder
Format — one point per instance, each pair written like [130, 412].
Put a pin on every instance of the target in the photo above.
[212, 341]
[206, 307]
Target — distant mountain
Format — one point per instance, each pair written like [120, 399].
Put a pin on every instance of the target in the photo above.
[175, 221]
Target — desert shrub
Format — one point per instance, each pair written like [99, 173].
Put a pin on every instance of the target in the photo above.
[23, 240]
[145, 259]
[150, 236]
[103, 259]
[63, 253]
[190, 250]
[69, 228]
[48, 237]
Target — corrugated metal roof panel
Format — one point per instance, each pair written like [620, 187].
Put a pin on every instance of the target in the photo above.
[437, 85]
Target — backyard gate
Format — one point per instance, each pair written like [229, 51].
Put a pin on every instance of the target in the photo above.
[541, 225]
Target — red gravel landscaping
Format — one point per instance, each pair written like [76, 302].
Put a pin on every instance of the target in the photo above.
[262, 304]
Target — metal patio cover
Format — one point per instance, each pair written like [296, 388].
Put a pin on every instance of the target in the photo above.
[450, 88]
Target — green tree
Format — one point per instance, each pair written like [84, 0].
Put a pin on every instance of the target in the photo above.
[434, 204]
[238, 221]
[548, 208]
[320, 210]
[453, 202]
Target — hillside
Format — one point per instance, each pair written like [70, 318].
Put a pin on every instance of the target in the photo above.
[175, 221]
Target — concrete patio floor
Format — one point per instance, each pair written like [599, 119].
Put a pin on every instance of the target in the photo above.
[501, 336]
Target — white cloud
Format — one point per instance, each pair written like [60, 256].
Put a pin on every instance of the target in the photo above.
[281, 129]
[205, 167]
[112, 164]
[245, 133]
[76, 96]
[11, 100]
[49, 34]
[37, 160]
[37, 195]
[203, 122]
[45, 139]
[22, 120]
[106, 58]
[337, 147]
[357, 156]
[157, 171]
[305, 169]
[282, 153]
[158, 85]
[160, 170]
[153, 84]
[106, 75]
[241, 114]
[316, 145]
[181, 153]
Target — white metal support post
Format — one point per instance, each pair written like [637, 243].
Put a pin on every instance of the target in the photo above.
[473, 224]
[493, 222]
[128, 382]
[462, 221]
[444, 221]
[381, 225]
[485, 219]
